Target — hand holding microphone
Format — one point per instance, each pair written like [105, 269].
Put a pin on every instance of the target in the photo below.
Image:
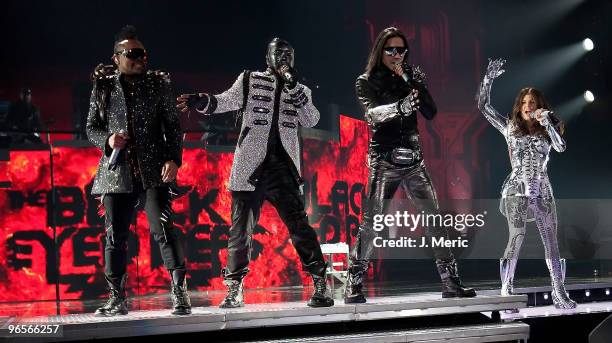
[541, 115]
[289, 75]
[399, 70]
[116, 141]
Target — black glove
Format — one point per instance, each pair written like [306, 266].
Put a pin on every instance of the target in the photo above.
[198, 102]
[103, 71]
[409, 104]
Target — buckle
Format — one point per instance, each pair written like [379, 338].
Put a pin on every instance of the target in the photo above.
[403, 156]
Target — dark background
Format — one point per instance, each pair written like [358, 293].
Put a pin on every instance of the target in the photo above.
[52, 47]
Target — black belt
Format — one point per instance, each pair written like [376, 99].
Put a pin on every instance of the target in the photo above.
[402, 156]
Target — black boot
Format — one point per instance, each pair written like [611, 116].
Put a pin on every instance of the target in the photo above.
[180, 298]
[451, 283]
[319, 297]
[235, 294]
[353, 293]
[117, 301]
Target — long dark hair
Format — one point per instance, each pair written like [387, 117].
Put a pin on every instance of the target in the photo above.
[520, 124]
[375, 58]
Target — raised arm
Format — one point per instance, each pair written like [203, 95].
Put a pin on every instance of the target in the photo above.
[484, 95]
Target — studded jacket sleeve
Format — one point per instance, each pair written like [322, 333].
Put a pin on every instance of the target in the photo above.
[97, 131]
[230, 100]
[308, 115]
[172, 126]
[375, 112]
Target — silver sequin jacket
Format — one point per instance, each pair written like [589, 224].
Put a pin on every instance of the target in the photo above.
[156, 129]
[295, 109]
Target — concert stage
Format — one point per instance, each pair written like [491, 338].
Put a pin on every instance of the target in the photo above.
[287, 314]
[393, 313]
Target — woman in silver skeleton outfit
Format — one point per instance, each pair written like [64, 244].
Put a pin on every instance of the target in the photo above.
[530, 131]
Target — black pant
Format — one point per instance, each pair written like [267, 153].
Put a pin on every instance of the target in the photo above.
[279, 187]
[383, 180]
[120, 208]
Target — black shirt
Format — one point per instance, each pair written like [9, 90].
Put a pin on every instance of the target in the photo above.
[129, 92]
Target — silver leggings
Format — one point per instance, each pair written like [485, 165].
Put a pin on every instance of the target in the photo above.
[517, 210]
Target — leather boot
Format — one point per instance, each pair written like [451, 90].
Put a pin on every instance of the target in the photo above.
[319, 296]
[353, 293]
[117, 300]
[180, 298]
[451, 283]
[235, 294]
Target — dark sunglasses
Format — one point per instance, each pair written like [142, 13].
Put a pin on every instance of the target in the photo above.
[393, 50]
[133, 54]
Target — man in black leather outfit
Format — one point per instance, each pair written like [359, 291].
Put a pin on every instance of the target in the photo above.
[391, 92]
[132, 112]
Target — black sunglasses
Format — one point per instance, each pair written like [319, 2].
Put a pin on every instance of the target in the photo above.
[133, 54]
[393, 50]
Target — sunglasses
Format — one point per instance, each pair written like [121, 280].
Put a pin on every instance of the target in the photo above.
[393, 50]
[134, 53]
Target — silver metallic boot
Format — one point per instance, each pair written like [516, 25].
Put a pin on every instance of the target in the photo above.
[560, 298]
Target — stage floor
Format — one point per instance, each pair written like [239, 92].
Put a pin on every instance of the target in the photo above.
[256, 316]
[273, 295]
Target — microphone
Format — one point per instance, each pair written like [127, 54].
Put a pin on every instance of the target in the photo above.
[405, 68]
[284, 69]
[545, 114]
[112, 161]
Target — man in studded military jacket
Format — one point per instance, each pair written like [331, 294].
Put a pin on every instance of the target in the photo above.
[132, 119]
[266, 164]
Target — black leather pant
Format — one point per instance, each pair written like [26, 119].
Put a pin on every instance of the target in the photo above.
[279, 187]
[120, 208]
[383, 180]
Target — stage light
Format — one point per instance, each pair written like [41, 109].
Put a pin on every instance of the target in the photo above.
[589, 96]
[588, 44]
[587, 293]
[546, 68]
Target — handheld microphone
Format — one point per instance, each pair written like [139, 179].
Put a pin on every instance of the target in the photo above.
[112, 161]
[405, 68]
[545, 114]
[286, 74]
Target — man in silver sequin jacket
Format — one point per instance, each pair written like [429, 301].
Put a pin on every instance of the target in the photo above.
[132, 112]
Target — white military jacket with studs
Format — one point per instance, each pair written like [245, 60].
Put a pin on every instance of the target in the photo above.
[295, 109]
